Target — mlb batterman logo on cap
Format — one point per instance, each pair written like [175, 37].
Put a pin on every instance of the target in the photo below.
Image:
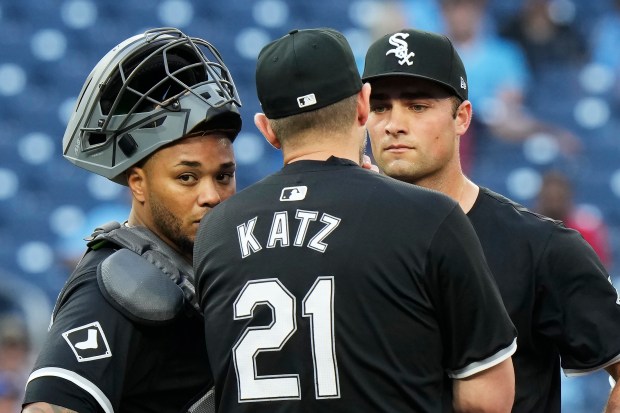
[305, 70]
[417, 53]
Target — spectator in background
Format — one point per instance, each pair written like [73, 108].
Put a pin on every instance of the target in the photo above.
[547, 38]
[606, 37]
[14, 361]
[14, 345]
[499, 74]
[555, 200]
[498, 68]
[604, 45]
[10, 394]
[421, 14]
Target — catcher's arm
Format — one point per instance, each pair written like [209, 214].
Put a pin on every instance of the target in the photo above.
[40, 407]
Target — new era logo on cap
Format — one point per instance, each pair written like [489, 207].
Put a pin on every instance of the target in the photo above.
[307, 100]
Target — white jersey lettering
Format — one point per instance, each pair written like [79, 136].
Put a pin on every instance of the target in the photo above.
[279, 230]
[279, 233]
[247, 240]
[304, 218]
[316, 242]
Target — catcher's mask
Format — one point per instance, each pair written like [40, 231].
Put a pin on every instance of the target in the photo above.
[148, 91]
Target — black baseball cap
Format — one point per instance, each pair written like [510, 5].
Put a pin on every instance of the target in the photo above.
[417, 53]
[305, 70]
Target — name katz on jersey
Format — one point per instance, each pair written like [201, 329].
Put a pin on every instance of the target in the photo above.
[280, 232]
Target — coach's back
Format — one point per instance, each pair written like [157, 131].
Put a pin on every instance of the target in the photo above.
[332, 285]
[327, 286]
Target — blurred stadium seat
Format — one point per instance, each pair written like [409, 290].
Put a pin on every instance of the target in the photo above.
[47, 48]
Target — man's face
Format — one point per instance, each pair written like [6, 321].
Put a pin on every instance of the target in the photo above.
[183, 182]
[413, 132]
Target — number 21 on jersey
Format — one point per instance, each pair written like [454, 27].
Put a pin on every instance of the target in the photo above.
[318, 305]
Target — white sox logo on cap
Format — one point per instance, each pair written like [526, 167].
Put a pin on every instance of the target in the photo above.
[402, 48]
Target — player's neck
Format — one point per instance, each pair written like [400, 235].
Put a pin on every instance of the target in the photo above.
[457, 186]
[469, 194]
[462, 190]
[320, 156]
[322, 150]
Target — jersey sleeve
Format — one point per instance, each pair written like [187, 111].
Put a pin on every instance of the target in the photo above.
[84, 357]
[475, 325]
[578, 309]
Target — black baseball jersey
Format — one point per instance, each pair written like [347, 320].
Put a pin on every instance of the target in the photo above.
[332, 287]
[557, 293]
[95, 359]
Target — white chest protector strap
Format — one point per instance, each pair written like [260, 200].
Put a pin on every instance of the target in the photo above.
[145, 279]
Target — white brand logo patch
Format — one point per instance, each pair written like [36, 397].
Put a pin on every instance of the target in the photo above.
[293, 193]
[402, 49]
[88, 342]
[463, 84]
[307, 100]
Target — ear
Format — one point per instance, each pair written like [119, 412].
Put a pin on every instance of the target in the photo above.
[262, 123]
[363, 104]
[136, 181]
[463, 117]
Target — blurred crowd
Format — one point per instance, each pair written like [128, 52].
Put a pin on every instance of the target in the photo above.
[15, 359]
[526, 61]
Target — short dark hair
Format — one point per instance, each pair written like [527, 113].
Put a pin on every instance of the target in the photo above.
[335, 118]
[456, 102]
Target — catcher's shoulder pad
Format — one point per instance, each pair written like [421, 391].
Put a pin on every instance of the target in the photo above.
[97, 239]
[139, 289]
